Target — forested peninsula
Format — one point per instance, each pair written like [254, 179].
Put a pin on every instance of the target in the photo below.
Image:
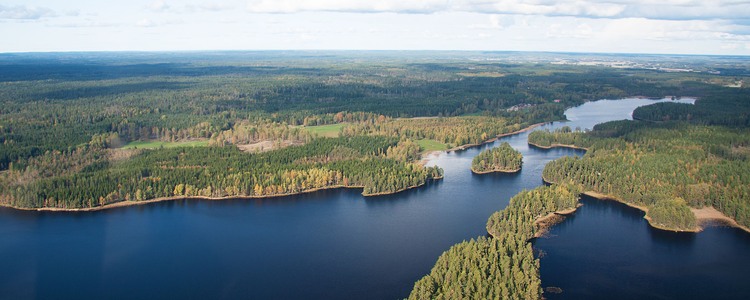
[503, 159]
[502, 266]
[669, 169]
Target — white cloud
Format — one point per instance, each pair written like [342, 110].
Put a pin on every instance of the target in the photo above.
[667, 26]
[158, 6]
[540, 7]
[581, 31]
[213, 6]
[495, 22]
[149, 22]
[85, 24]
[146, 23]
[367, 6]
[649, 9]
[20, 12]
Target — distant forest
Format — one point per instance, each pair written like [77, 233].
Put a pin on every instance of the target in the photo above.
[59, 103]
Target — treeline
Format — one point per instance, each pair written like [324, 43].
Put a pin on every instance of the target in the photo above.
[672, 213]
[503, 266]
[654, 164]
[730, 107]
[499, 159]
[246, 132]
[51, 105]
[562, 136]
[219, 172]
[454, 131]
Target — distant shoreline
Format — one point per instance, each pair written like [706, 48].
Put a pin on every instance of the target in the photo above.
[497, 137]
[425, 156]
[558, 146]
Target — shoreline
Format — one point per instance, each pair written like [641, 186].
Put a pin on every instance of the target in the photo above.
[426, 159]
[127, 203]
[495, 171]
[558, 146]
[709, 214]
[544, 223]
[497, 137]
[703, 216]
[426, 156]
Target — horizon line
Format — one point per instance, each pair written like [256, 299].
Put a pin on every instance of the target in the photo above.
[365, 50]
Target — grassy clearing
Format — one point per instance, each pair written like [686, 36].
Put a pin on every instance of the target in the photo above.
[331, 130]
[431, 145]
[159, 144]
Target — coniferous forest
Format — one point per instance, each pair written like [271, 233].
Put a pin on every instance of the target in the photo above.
[70, 124]
[499, 159]
[679, 156]
[503, 266]
[665, 167]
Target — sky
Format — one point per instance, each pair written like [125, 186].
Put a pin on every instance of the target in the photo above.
[615, 26]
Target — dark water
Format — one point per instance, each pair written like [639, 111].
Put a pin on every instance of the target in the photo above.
[606, 250]
[339, 245]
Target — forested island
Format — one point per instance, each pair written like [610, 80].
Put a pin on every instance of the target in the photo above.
[503, 159]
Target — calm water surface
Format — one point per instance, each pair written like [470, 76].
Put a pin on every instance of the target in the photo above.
[337, 244]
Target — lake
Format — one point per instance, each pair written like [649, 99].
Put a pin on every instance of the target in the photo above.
[336, 244]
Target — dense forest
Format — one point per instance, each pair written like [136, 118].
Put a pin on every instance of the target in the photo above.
[59, 101]
[453, 131]
[499, 159]
[100, 176]
[664, 167]
[561, 137]
[728, 108]
[502, 266]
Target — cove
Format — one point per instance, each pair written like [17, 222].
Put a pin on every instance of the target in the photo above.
[332, 244]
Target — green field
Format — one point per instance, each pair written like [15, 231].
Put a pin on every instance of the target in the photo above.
[331, 130]
[431, 145]
[160, 144]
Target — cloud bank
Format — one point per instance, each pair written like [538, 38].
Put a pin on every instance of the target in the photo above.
[614, 9]
[22, 12]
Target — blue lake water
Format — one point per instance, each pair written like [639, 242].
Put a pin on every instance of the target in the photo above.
[337, 244]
